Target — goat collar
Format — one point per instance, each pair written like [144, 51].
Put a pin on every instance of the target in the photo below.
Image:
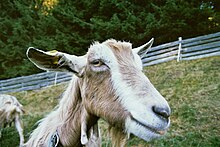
[55, 140]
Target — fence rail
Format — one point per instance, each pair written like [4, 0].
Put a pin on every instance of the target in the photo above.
[32, 82]
[182, 49]
[187, 49]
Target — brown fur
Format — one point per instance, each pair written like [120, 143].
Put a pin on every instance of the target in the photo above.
[118, 137]
[65, 119]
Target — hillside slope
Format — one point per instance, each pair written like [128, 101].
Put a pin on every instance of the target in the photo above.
[192, 89]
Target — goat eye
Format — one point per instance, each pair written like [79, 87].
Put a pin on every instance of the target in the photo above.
[97, 63]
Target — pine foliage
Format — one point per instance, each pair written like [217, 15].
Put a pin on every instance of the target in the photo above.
[71, 26]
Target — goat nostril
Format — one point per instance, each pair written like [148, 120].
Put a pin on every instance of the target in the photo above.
[164, 112]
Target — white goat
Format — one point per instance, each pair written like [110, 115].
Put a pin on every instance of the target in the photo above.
[10, 112]
[108, 83]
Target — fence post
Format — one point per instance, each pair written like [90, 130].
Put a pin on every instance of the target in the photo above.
[1, 86]
[179, 49]
[22, 85]
[55, 80]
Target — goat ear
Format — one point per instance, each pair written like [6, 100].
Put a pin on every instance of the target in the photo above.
[57, 61]
[142, 50]
[20, 109]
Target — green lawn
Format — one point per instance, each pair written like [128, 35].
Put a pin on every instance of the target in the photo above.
[192, 89]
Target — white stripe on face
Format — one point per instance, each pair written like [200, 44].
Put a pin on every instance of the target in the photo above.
[139, 106]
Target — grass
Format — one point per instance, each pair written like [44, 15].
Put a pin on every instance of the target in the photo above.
[192, 89]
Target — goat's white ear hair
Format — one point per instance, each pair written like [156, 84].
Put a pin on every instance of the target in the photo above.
[143, 49]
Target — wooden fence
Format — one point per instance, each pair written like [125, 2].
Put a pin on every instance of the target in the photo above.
[187, 49]
[32, 82]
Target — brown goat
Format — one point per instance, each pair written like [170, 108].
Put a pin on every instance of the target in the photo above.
[10, 112]
[108, 83]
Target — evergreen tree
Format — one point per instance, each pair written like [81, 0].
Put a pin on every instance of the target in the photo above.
[71, 26]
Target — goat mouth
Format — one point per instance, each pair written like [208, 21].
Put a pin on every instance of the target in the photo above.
[154, 130]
